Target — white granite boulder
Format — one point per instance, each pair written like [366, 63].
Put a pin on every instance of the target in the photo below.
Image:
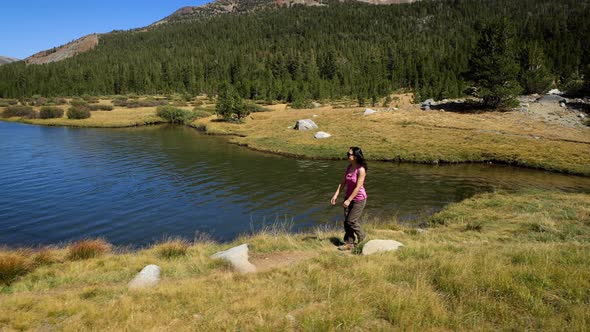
[321, 134]
[238, 257]
[305, 124]
[375, 246]
[149, 276]
[369, 111]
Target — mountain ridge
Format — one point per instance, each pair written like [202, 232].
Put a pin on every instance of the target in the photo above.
[5, 59]
[242, 6]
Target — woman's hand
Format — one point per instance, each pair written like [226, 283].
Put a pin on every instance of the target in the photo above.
[346, 203]
[333, 200]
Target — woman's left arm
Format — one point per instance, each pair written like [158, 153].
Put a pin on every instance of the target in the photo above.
[359, 183]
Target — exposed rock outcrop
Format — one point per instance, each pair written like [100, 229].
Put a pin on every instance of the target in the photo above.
[63, 52]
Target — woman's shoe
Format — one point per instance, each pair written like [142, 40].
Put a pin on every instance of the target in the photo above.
[346, 246]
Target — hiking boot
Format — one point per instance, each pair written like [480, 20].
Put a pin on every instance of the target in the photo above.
[346, 246]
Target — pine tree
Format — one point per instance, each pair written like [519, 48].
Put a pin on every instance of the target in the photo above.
[493, 65]
[230, 105]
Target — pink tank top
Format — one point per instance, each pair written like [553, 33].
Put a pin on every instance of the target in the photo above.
[351, 179]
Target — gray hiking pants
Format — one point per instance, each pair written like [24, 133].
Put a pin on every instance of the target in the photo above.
[352, 218]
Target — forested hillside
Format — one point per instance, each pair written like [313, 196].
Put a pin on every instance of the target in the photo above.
[344, 49]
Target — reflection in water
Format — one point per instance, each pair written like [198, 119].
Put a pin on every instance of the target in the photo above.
[140, 185]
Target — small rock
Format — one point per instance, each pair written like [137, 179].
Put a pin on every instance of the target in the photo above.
[562, 104]
[369, 111]
[321, 134]
[315, 104]
[524, 105]
[314, 116]
[375, 246]
[395, 108]
[290, 317]
[238, 257]
[428, 102]
[426, 108]
[305, 124]
[554, 92]
[149, 276]
[582, 115]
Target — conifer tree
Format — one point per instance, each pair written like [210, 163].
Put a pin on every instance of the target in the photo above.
[493, 65]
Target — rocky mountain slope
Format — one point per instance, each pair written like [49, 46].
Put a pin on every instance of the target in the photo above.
[68, 50]
[4, 60]
[241, 6]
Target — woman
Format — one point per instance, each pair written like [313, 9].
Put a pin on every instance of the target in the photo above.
[355, 199]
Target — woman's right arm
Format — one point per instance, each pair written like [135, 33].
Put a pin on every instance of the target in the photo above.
[335, 197]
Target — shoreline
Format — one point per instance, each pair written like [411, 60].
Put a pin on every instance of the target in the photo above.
[235, 136]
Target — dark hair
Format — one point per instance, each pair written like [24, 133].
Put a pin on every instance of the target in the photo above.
[360, 159]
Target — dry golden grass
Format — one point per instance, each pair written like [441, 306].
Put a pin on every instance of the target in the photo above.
[86, 249]
[13, 265]
[425, 137]
[118, 117]
[172, 248]
[508, 275]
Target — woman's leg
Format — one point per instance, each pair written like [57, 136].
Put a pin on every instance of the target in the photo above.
[348, 231]
[353, 220]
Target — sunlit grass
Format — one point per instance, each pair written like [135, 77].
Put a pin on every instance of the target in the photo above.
[525, 267]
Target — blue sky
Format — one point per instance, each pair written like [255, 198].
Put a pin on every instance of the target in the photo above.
[27, 27]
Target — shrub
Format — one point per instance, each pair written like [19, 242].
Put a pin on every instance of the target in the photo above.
[587, 122]
[78, 112]
[38, 101]
[20, 111]
[179, 103]
[9, 101]
[197, 103]
[78, 102]
[253, 108]
[175, 115]
[57, 101]
[49, 112]
[172, 248]
[139, 103]
[90, 99]
[120, 101]
[13, 265]
[88, 249]
[100, 107]
[301, 104]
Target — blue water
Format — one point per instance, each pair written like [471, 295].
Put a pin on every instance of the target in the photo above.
[137, 186]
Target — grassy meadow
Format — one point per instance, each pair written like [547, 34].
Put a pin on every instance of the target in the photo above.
[405, 134]
[497, 261]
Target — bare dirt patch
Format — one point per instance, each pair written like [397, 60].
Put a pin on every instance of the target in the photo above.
[266, 262]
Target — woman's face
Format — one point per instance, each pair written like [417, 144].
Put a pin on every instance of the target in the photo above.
[351, 156]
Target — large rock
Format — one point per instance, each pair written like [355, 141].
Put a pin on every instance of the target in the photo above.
[551, 99]
[306, 124]
[321, 134]
[554, 92]
[369, 111]
[375, 246]
[149, 276]
[238, 257]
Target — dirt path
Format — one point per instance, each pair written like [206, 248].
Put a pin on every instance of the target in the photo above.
[266, 262]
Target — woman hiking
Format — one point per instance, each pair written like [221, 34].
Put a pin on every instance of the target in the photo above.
[355, 199]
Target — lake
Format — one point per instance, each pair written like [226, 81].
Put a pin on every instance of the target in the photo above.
[137, 186]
